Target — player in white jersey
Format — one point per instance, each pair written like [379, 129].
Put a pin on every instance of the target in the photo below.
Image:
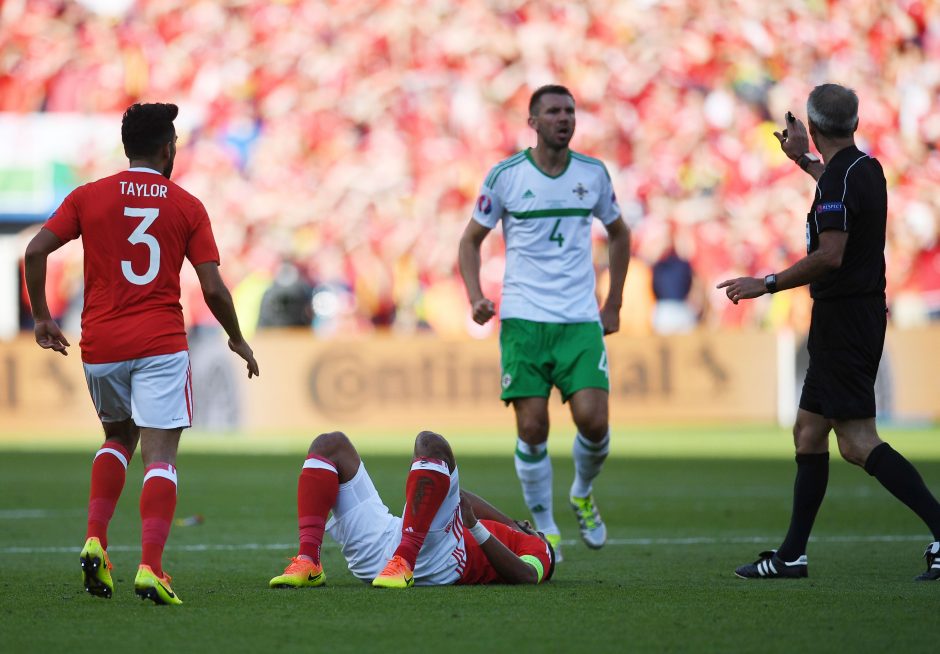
[551, 331]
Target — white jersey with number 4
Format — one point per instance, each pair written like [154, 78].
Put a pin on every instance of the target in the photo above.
[547, 227]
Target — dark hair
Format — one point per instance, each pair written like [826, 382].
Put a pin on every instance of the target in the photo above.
[145, 128]
[833, 109]
[548, 89]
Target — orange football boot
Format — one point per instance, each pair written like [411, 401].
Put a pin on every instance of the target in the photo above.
[397, 574]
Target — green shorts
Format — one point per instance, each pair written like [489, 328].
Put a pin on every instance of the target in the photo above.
[538, 355]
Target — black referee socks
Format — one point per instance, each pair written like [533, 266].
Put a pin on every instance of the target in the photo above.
[904, 482]
[809, 489]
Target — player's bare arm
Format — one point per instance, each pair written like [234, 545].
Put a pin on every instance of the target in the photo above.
[486, 511]
[510, 567]
[816, 264]
[794, 141]
[469, 260]
[618, 246]
[219, 301]
[483, 510]
[47, 332]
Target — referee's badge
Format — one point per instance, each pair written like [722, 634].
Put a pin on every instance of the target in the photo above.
[829, 207]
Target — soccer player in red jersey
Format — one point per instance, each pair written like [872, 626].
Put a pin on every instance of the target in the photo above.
[136, 227]
[446, 535]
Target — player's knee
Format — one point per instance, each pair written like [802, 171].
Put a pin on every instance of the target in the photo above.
[851, 452]
[807, 440]
[330, 444]
[126, 433]
[799, 438]
[434, 446]
[429, 439]
[594, 429]
[533, 429]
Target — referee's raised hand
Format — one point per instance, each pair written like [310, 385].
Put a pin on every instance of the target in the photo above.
[794, 139]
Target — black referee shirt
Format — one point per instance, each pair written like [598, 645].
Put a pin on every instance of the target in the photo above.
[851, 196]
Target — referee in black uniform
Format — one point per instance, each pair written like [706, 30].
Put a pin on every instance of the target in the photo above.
[845, 270]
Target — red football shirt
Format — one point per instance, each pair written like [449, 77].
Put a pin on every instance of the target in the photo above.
[479, 570]
[136, 227]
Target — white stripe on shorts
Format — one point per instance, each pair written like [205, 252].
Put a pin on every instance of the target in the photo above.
[120, 457]
[431, 464]
[317, 464]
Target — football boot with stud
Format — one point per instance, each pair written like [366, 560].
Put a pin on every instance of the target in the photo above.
[157, 589]
[96, 569]
[593, 529]
[932, 555]
[301, 573]
[770, 566]
[397, 574]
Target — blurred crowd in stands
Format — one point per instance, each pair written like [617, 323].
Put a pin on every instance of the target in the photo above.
[339, 146]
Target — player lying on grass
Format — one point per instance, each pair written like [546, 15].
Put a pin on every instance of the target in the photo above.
[446, 536]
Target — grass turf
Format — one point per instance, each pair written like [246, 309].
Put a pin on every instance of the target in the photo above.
[678, 527]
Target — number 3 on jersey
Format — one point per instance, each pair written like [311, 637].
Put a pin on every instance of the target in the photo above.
[140, 237]
[556, 235]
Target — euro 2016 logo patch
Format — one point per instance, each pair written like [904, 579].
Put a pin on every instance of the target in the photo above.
[484, 204]
[507, 380]
[829, 207]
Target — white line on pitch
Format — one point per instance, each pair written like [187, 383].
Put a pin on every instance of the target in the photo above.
[693, 540]
[31, 514]
[203, 547]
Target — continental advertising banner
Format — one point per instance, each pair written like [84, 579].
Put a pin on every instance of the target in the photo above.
[378, 381]
[384, 381]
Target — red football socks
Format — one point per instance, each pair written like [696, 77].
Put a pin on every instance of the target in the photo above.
[426, 489]
[316, 494]
[157, 504]
[107, 481]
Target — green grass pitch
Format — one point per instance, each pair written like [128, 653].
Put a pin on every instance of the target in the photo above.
[683, 506]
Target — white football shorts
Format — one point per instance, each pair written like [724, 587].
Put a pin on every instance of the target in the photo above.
[368, 533]
[155, 391]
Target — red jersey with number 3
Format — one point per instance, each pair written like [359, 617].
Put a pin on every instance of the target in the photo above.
[136, 228]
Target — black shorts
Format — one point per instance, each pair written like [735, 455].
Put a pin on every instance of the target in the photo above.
[846, 338]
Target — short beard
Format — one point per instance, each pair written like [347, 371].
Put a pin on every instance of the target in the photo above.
[554, 144]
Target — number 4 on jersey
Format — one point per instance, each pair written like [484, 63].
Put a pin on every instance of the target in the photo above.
[140, 236]
[556, 235]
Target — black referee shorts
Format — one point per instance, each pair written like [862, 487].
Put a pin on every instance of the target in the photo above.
[846, 338]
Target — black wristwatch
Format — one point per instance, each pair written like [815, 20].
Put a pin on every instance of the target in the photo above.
[806, 159]
[770, 281]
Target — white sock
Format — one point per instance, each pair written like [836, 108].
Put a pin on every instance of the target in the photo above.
[588, 460]
[534, 468]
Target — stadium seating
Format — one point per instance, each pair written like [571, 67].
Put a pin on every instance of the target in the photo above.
[352, 137]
